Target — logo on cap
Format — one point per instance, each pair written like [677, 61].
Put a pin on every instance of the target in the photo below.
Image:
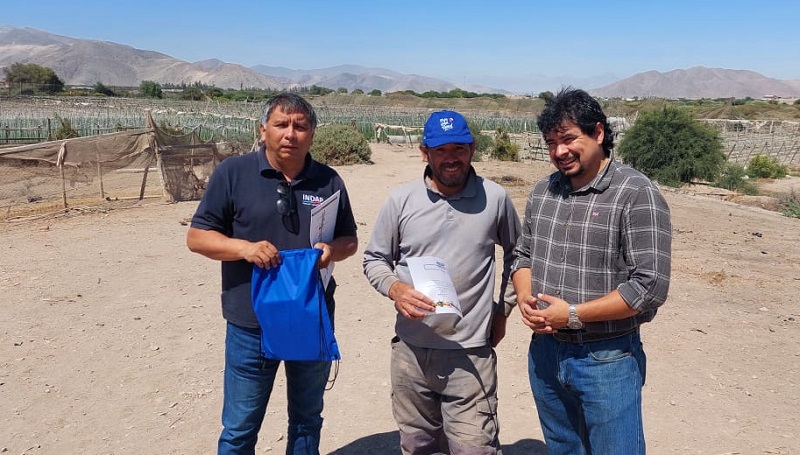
[446, 123]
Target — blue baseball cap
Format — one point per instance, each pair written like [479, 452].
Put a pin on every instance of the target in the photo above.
[446, 127]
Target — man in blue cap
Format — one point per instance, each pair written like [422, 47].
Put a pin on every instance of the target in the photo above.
[444, 368]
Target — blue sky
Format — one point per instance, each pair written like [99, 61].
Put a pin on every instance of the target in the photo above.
[523, 46]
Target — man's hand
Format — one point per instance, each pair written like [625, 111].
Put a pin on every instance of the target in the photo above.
[409, 302]
[262, 254]
[327, 255]
[551, 318]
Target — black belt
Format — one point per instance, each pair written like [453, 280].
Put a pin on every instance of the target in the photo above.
[580, 336]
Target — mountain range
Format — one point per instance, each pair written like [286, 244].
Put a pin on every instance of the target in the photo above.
[86, 62]
[700, 82]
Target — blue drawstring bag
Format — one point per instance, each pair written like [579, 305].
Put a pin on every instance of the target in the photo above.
[289, 302]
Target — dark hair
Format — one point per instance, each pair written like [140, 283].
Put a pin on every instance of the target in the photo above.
[578, 107]
[290, 103]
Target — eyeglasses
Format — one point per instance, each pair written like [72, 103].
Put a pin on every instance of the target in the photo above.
[285, 199]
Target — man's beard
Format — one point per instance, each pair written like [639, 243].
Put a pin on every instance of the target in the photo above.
[451, 180]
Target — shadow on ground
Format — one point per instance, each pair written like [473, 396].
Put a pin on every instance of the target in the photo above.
[389, 444]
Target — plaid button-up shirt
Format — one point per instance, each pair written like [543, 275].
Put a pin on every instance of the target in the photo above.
[614, 233]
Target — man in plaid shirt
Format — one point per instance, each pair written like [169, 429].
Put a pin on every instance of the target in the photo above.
[591, 265]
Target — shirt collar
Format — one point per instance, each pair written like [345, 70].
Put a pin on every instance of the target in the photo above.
[600, 183]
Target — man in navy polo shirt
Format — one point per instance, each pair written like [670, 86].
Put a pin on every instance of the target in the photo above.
[256, 205]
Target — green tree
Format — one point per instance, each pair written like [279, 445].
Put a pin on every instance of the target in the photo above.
[358, 91]
[193, 94]
[375, 92]
[151, 89]
[341, 90]
[317, 90]
[100, 88]
[671, 147]
[214, 92]
[546, 96]
[39, 76]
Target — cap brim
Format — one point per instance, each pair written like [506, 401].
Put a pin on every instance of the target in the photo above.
[439, 141]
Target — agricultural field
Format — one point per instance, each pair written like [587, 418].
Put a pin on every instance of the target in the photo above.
[745, 129]
[36, 119]
[400, 116]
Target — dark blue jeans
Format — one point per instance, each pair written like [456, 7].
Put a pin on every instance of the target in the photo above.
[589, 396]
[248, 384]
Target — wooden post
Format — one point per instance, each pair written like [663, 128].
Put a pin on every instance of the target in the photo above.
[62, 152]
[160, 168]
[731, 152]
[794, 145]
[144, 177]
[100, 173]
[746, 157]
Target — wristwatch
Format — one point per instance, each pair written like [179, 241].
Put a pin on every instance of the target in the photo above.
[574, 322]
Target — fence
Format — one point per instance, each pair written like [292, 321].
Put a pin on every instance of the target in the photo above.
[97, 171]
[744, 139]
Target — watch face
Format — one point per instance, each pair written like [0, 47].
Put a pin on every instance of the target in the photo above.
[573, 322]
[575, 325]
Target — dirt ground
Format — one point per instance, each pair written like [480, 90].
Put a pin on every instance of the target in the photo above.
[111, 338]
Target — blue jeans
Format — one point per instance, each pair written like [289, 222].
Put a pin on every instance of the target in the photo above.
[589, 396]
[248, 385]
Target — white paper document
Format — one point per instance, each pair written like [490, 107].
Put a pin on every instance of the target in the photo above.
[432, 278]
[323, 223]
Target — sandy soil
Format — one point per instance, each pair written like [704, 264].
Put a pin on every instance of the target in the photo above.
[111, 337]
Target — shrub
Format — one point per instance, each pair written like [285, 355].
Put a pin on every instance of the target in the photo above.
[338, 145]
[671, 147]
[791, 205]
[483, 142]
[733, 177]
[65, 129]
[502, 148]
[762, 166]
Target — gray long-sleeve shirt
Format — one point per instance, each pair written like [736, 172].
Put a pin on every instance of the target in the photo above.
[462, 230]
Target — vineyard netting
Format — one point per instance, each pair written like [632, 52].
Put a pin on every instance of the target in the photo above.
[95, 171]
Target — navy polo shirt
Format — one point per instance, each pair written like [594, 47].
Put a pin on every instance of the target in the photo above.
[240, 201]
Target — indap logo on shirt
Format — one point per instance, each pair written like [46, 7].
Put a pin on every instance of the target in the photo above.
[446, 123]
[310, 199]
